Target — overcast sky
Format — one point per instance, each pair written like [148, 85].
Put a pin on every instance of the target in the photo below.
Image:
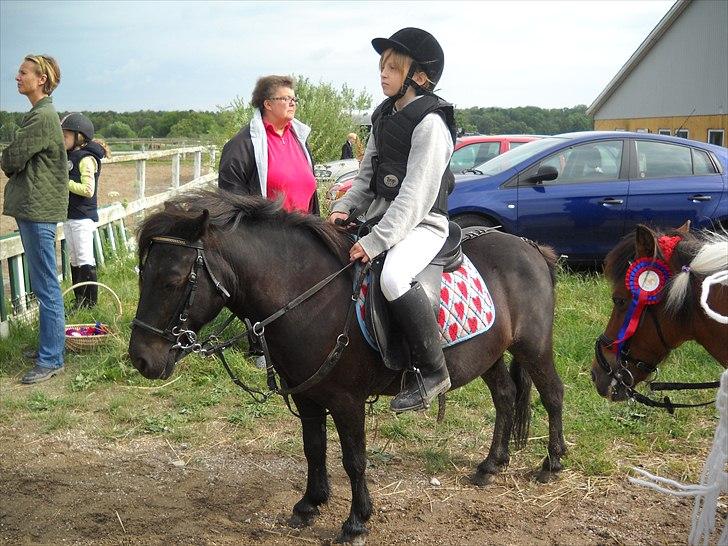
[180, 55]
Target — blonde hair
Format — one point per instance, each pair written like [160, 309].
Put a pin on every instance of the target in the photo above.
[48, 67]
[101, 142]
[401, 62]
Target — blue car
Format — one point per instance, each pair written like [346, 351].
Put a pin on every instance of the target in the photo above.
[581, 192]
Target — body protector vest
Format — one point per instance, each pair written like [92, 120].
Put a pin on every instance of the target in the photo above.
[392, 133]
[80, 207]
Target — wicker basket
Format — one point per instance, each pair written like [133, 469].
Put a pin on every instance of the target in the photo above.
[78, 344]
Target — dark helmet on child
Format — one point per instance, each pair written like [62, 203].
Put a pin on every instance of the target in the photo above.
[419, 44]
[78, 123]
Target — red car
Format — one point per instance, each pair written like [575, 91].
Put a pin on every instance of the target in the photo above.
[470, 151]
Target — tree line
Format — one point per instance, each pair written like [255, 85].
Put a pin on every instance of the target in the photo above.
[141, 124]
[529, 120]
[330, 111]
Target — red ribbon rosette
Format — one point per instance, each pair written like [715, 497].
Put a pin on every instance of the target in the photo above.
[645, 279]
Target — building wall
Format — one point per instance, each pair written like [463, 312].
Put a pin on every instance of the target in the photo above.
[697, 126]
[685, 72]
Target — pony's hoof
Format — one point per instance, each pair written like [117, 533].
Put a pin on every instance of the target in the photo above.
[481, 479]
[352, 532]
[356, 540]
[546, 476]
[303, 519]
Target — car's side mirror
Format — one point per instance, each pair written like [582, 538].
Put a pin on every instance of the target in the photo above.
[544, 173]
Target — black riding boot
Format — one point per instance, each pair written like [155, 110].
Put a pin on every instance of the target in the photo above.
[77, 292]
[91, 291]
[414, 314]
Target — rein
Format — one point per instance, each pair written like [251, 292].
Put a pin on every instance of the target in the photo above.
[175, 332]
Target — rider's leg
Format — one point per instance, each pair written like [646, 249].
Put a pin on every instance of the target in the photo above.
[412, 310]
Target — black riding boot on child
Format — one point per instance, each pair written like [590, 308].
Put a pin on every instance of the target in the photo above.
[413, 312]
[78, 292]
[90, 294]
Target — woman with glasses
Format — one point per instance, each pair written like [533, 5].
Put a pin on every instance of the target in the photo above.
[269, 156]
[36, 195]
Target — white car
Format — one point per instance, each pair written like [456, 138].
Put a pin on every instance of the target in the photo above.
[333, 170]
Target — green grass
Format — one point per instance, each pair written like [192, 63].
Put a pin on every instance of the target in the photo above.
[102, 395]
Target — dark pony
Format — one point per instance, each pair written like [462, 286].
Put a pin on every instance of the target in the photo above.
[675, 317]
[220, 250]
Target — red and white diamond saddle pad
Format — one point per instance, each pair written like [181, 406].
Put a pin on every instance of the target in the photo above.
[466, 307]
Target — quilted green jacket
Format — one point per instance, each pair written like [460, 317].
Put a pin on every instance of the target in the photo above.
[37, 167]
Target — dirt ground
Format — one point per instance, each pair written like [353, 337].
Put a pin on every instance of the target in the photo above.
[69, 488]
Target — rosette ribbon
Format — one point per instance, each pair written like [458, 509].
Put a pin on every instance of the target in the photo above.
[645, 279]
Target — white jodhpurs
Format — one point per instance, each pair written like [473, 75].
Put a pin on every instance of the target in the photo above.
[80, 241]
[406, 259]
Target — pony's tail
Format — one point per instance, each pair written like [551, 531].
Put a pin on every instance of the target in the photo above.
[549, 254]
[522, 409]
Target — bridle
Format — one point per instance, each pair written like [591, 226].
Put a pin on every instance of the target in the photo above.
[621, 374]
[186, 342]
[175, 331]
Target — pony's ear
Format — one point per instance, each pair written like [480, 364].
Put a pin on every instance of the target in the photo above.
[201, 223]
[645, 242]
[685, 228]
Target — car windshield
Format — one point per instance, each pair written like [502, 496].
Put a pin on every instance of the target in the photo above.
[512, 158]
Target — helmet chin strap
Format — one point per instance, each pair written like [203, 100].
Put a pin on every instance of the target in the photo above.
[409, 82]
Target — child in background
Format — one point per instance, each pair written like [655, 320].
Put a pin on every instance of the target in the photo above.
[84, 168]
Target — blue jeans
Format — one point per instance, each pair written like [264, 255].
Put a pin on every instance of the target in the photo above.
[39, 240]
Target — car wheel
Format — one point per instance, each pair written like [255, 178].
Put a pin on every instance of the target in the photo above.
[470, 220]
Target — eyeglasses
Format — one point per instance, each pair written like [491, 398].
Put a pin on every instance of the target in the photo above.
[294, 100]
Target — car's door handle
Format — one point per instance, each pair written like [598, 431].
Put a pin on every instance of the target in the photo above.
[611, 201]
[697, 197]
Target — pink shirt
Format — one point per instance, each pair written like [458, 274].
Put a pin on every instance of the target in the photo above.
[289, 172]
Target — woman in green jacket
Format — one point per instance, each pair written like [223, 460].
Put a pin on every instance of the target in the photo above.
[36, 195]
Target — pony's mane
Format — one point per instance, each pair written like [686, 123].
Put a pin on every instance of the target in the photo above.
[228, 210]
[699, 253]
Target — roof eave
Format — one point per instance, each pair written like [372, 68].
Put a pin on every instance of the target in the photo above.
[644, 48]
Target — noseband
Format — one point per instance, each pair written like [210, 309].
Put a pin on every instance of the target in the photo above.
[175, 330]
[620, 373]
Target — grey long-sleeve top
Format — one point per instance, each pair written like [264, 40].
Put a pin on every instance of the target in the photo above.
[429, 156]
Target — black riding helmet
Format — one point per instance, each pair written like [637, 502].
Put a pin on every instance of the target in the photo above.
[78, 123]
[421, 46]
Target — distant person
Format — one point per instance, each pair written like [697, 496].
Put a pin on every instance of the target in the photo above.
[84, 163]
[404, 180]
[349, 147]
[36, 195]
[269, 156]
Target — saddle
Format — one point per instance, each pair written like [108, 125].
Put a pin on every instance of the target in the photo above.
[386, 332]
